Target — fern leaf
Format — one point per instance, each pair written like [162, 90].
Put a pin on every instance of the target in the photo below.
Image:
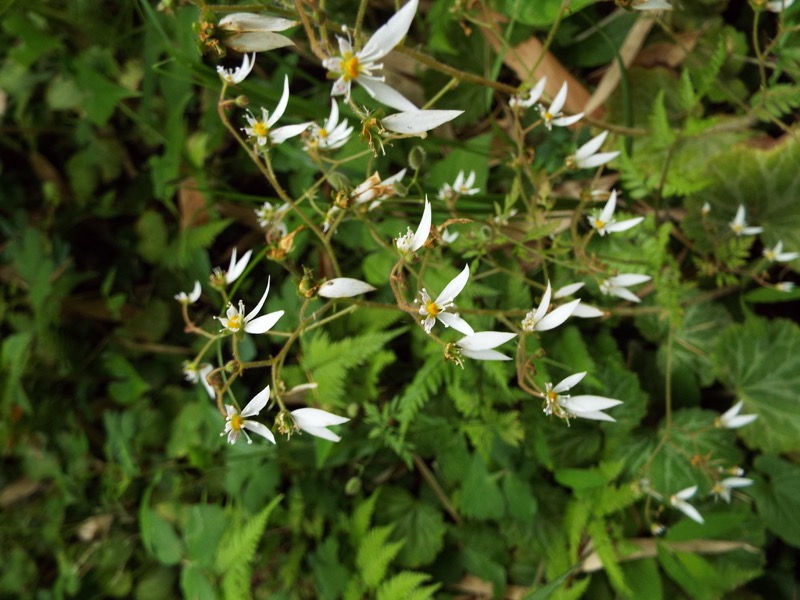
[375, 554]
[425, 383]
[237, 551]
[605, 550]
[407, 586]
[660, 128]
[706, 74]
[362, 516]
[686, 93]
[775, 102]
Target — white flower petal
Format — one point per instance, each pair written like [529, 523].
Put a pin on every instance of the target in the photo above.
[253, 313]
[589, 403]
[281, 134]
[618, 226]
[689, 510]
[607, 214]
[556, 317]
[315, 417]
[568, 290]
[569, 382]
[257, 41]
[418, 121]
[686, 493]
[245, 21]
[544, 305]
[260, 429]
[454, 288]
[567, 121]
[629, 279]
[598, 159]
[344, 287]
[389, 35]
[485, 355]
[456, 322]
[485, 340]
[559, 100]
[282, 103]
[586, 311]
[591, 147]
[386, 94]
[258, 402]
[263, 324]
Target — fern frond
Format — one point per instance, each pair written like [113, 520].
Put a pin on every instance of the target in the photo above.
[375, 554]
[776, 101]
[706, 74]
[426, 382]
[407, 585]
[608, 555]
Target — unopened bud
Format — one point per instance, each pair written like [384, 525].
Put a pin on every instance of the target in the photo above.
[353, 486]
[242, 101]
[416, 158]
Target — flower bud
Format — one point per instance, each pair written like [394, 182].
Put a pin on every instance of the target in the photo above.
[353, 486]
[416, 158]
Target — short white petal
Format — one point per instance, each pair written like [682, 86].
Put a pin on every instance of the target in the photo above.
[456, 322]
[736, 482]
[390, 34]
[257, 41]
[536, 92]
[282, 103]
[689, 510]
[263, 324]
[420, 121]
[556, 317]
[733, 411]
[591, 147]
[387, 95]
[686, 493]
[625, 294]
[245, 21]
[260, 305]
[344, 287]
[569, 382]
[315, 417]
[333, 118]
[453, 289]
[596, 415]
[740, 421]
[236, 268]
[258, 402]
[195, 293]
[260, 429]
[485, 340]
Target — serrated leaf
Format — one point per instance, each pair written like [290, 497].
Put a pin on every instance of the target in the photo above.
[778, 497]
[420, 524]
[407, 585]
[374, 555]
[480, 496]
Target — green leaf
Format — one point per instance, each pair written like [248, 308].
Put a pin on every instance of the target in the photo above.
[540, 13]
[205, 525]
[778, 497]
[330, 576]
[420, 524]
[760, 360]
[159, 537]
[100, 95]
[153, 236]
[196, 584]
[407, 586]
[374, 555]
[13, 357]
[520, 500]
[480, 496]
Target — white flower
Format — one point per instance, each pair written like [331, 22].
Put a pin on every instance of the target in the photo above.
[587, 156]
[416, 122]
[731, 419]
[784, 286]
[533, 95]
[619, 284]
[777, 253]
[739, 225]
[604, 222]
[261, 129]
[679, 501]
[437, 309]
[191, 297]
[236, 422]
[332, 134]
[582, 310]
[198, 374]
[651, 5]
[235, 269]
[541, 320]
[479, 346]
[777, 6]
[362, 65]
[722, 489]
[267, 214]
[373, 189]
[238, 74]
[235, 319]
[448, 237]
[705, 209]
[315, 421]
[344, 287]
[567, 407]
[462, 186]
[255, 33]
[552, 116]
[413, 241]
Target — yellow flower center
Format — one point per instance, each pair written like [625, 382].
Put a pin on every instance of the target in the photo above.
[737, 228]
[551, 397]
[260, 129]
[547, 116]
[598, 224]
[323, 133]
[432, 308]
[769, 255]
[237, 422]
[235, 323]
[350, 67]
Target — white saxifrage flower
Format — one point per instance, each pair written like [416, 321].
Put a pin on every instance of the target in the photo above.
[588, 157]
[416, 122]
[739, 225]
[582, 310]
[553, 115]
[480, 346]
[315, 421]
[619, 284]
[785, 286]
[261, 130]
[777, 254]
[532, 97]
[238, 74]
[235, 319]
[249, 32]
[604, 222]
[413, 241]
[191, 297]
[235, 267]
[362, 66]
[777, 6]
[268, 214]
[437, 309]
[541, 320]
[566, 407]
[344, 287]
[731, 419]
[333, 134]
[448, 237]
[462, 186]
[679, 501]
[237, 423]
[372, 189]
[651, 5]
[198, 374]
[722, 489]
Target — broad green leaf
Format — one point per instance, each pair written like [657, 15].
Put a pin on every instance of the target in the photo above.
[196, 584]
[480, 496]
[205, 524]
[159, 537]
[330, 575]
[540, 13]
[419, 523]
[760, 360]
[778, 497]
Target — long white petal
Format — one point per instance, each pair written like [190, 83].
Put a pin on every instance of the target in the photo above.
[245, 21]
[424, 228]
[485, 355]
[629, 279]
[263, 324]
[344, 287]
[390, 34]
[257, 41]
[557, 316]
[195, 293]
[689, 510]
[333, 118]
[567, 121]
[586, 311]
[254, 313]
[544, 305]
[588, 403]
[608, 210]
[485, 340]
[281, 134]
[569, 382]
[686, 493]
[315, 417]
[282, 103]
[597, 159]
[419, 121]
[321, 432]
[536, 92]
[260, 429]
[625, 294]
[453, 289]
[456, 322]
[387, 95]
[258, 402]
[623, 225]
[559, 100]
[591, 147]
[596, 415]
